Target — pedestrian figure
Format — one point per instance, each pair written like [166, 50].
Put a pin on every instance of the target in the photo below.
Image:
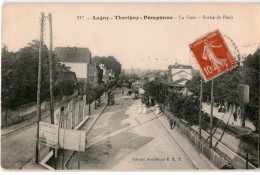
[235, 116]
[171, 123]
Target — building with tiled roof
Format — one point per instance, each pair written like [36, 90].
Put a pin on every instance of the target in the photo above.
[179, 74]
[73, 54]
[79, 61]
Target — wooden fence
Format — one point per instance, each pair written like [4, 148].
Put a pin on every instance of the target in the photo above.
[74, 113]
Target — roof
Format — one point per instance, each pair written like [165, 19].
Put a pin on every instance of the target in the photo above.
[180, 72]
[180, 81]
[173, 84]
[73, 54]
[180, 66]
[151, 75]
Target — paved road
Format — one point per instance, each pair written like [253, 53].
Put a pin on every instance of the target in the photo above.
[18, 148]
[122, 139]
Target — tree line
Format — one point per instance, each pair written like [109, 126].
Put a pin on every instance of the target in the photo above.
[226, 86]
[225, 90]
[20, 71]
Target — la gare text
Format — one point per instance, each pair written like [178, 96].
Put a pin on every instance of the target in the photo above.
[145, 17]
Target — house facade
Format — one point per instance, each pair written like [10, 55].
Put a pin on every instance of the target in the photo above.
[79, 61]
[179, 74]
[108, 75]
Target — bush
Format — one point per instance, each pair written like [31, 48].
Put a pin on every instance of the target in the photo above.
[185, 107]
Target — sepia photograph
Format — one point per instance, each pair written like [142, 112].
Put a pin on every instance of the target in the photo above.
[130, 87]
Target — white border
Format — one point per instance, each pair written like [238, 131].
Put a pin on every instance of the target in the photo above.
[200, 172]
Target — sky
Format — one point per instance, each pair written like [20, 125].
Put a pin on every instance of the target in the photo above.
[142, 43]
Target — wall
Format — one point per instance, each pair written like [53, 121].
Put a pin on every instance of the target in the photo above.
[24, 112]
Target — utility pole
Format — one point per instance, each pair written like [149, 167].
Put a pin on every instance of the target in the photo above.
[201, 92]
[211, 113]
[51, 72]
[37, 159]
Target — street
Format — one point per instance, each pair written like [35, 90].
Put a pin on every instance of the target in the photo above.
[122, 139]
[19, 147]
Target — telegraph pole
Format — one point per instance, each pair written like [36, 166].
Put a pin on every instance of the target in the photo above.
[211, 113]
[51, 73]
[201, 92]
[39, 91]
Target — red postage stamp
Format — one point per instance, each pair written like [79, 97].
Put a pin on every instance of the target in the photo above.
[212, 55]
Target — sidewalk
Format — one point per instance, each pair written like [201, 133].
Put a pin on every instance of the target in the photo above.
[13, 128]
[198, 159]
[227, 117]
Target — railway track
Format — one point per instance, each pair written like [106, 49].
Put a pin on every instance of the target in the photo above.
[253, 162]
[221, 125]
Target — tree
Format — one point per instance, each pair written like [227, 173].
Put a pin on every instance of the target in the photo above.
[100, 74]
[225, 86]
[184, 107]
[193, 85]
[251, 67]
[20, 71]
[7, 75]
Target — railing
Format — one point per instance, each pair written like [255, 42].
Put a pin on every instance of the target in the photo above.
[216, 156]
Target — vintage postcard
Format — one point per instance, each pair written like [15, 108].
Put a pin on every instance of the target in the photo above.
[130, 87]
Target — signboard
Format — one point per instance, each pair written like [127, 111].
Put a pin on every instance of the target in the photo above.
[212, 55]
[48, 134]
[72, 140]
